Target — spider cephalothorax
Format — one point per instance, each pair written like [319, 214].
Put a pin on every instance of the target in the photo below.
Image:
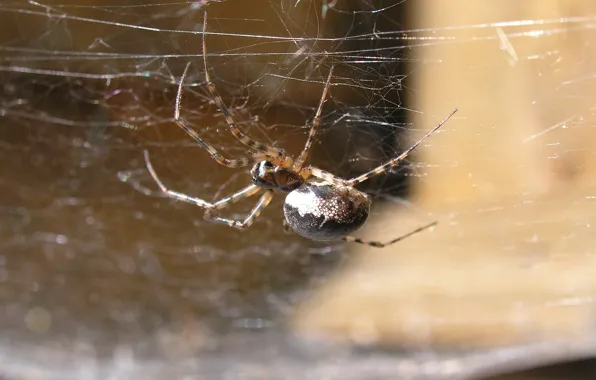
[318, 206]
[269, 176]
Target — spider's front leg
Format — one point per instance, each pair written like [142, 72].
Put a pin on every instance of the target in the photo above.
[270, 151]
[250, 218]
[214, 153]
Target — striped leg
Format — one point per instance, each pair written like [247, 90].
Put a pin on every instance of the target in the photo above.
[231, 163]
[250, 218]
[327, 177]
[314, 127]
[224, 202]
[269, 150]
[330, 178]
[378, 170]
[377, 244]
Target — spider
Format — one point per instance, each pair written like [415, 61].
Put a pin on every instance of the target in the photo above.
[319, 205]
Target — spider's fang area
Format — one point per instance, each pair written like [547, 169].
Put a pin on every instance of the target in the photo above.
[324, 212]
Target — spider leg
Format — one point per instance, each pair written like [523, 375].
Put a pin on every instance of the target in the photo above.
[314, 127]
[326, 176]
[244, 139]
[250, 218]
[214, 153]
[380, 169]
[330, 178]
[244, 193]
[379, 244]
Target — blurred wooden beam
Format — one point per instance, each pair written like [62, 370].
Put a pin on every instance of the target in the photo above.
[511, 180]
[525, 94]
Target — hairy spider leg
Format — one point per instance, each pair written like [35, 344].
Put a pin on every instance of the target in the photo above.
[224, 202]
[250, 218]
[328, 177]
[214, 153]
[270, 150]
[378, 244]
[314, 126]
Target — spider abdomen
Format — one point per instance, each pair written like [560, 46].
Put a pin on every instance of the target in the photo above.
[326, 212]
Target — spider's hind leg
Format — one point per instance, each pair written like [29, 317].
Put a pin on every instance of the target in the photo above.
[378, 244]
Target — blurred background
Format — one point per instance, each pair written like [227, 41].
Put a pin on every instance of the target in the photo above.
[102, 277]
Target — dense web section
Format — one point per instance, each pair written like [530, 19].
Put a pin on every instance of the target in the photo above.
[97, 267]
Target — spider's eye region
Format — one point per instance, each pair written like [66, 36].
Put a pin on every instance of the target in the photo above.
[263, 175]
[262, 168]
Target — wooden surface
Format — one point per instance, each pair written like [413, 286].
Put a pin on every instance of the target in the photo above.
[512, 274]
[511, 180]
[526, 121]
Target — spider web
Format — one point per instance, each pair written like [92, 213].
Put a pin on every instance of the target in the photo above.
[98, 268]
